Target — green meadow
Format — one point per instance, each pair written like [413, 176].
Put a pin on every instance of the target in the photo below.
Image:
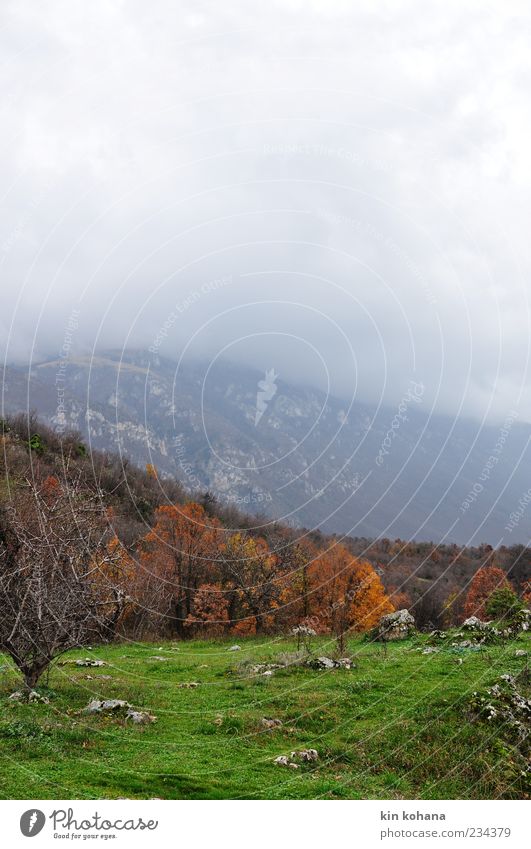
[396, 726]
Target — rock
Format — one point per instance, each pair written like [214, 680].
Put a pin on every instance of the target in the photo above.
[430, 650]
[188, 685]
[31, 696]
[520, 653]
[270, 723]
[475, 624]
[282, 760]
[139, 717]
[159, 658]
[97, 677]
[322, 663]
[467, 644]
[260, 668]
[395, 626]
[99, 706]
[328, 663]
[503, 703]
[235, 648]
[36, 697]
[87, 661]
[17, 696]
[305, 755]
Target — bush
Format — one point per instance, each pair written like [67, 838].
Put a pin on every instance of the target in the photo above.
[503, 603]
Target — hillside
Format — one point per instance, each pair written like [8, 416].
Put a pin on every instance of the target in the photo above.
[312, 461]
[399, 725]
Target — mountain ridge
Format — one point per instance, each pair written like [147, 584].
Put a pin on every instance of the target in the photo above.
[310, 460]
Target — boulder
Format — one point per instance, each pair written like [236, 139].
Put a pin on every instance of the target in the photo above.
[475, 624]
[102, 706]
[140, 717]
[235, 648]
[305, 755]
[395, 626]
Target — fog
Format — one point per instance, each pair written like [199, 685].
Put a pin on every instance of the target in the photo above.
[339, 191]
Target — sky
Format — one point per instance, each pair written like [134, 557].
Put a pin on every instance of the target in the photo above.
[336, 190]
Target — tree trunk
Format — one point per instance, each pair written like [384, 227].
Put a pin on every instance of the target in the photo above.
[32, 674]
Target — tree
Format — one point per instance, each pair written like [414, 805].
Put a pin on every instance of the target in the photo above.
[503, 603]
[347, 594]
[252, 574]
[485, 581]
[210, 611]
[52, 544]
[178, 555]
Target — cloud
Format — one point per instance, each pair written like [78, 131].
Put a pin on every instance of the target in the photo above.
[361, 174]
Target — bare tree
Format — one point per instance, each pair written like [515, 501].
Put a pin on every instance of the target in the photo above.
[55, 591]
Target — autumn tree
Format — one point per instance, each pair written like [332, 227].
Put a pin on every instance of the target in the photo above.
[176, 556]
[52, 544]
[252, 575]
[347, 594]
[485, 581]
[210, 611]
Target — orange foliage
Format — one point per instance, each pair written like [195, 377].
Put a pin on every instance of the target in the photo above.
[347, 594]
[485, 581]
[179, 554]
[210, 611]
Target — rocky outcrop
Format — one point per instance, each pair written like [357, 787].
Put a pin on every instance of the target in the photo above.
[395, 626]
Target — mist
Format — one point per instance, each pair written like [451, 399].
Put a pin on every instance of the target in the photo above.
[342, 196]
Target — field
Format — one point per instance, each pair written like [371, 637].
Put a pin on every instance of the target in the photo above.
[396, 726]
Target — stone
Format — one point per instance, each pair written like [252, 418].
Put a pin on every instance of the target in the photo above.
[282, 760]
[270, 723]
[235, 648]
[87, 661]
[36, 697]
[430, 650]
[159, 658]
[475, 624]
[188, 685]
[305, 755]
[322, 663]
[395, 626]
[99, 706]
[520, 653]
[140, 717]
[17, 696]
[31, 696]
[97, 677]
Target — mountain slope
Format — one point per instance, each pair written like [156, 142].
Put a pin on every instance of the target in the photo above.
[291, 452]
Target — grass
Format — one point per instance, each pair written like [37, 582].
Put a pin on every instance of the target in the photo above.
[397, 726]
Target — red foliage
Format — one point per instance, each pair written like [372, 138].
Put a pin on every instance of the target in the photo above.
[485, 581]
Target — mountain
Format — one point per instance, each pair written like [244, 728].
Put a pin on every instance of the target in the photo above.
[291, 452]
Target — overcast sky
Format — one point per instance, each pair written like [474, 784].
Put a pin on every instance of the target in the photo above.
[338, 190]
